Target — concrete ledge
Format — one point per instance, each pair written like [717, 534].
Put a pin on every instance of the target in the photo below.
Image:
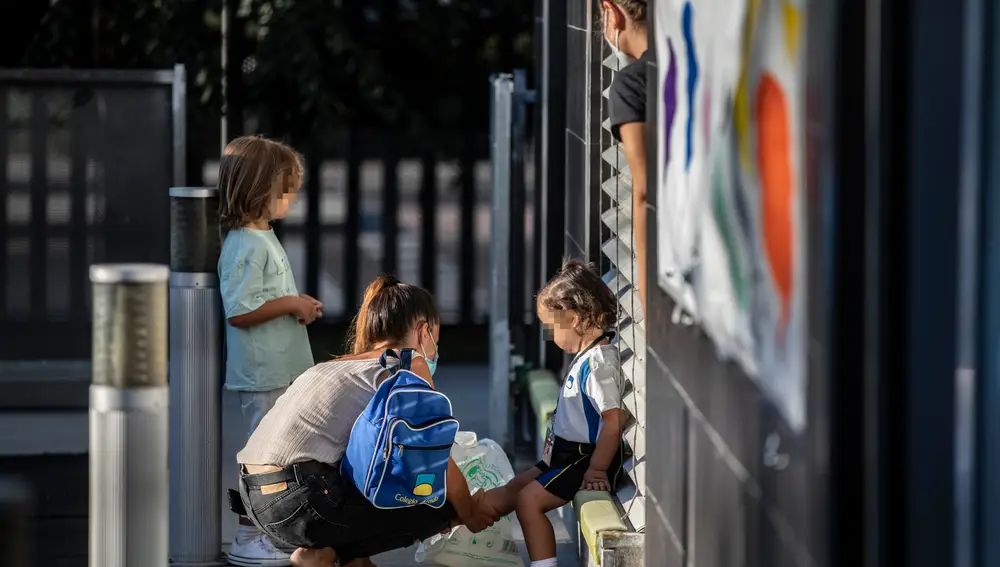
[44, 433]
[617, 549]
[42, 385]
[598, 517]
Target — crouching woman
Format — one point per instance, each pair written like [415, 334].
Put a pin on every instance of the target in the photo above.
[291, 485]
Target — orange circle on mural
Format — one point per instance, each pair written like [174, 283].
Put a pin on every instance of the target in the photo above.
[774, 163]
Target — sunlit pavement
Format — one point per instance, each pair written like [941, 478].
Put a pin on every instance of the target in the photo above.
[467, 386]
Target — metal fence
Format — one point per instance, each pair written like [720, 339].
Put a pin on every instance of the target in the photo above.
[86, 158]
[368, 207]
[90, 156]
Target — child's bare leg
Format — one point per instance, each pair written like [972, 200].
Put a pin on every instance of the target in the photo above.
[303, 557]
[504, 498]
[533, 503]
[517, 484]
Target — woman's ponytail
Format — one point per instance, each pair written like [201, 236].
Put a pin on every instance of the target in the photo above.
[389, 310]
[360, 337]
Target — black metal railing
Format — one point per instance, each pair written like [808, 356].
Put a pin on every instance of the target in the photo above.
[369, 205]
[85, 160]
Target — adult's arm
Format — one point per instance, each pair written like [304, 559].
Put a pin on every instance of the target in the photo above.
[633, 136]
[473, 511]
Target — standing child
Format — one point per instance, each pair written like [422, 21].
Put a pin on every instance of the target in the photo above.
[266, 340]
[578, 311]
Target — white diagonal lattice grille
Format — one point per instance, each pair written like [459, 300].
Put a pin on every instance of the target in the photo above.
[618, 262]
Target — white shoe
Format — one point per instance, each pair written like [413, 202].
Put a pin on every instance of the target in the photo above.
[257, 551]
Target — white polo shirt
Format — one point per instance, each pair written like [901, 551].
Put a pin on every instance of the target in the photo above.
[591, 388]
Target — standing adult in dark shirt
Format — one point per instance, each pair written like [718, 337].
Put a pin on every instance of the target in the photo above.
[625, 31]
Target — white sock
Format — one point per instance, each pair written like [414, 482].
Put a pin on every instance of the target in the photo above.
[550, 562]
[246, 533]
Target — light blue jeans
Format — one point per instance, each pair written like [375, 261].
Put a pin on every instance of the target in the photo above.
[255, 405]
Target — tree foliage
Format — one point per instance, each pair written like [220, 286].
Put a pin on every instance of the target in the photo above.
[309, 66]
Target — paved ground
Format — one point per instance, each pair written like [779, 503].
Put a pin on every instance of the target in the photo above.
[467, 387]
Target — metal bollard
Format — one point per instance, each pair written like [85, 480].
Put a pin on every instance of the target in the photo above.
[128, 416]
[16, 530]
[195, 378]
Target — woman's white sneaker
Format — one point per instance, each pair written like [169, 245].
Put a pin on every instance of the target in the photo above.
[257, 551]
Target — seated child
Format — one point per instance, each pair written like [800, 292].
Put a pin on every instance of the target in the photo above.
[582, 447]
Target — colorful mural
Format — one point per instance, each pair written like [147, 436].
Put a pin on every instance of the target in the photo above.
[730, 208]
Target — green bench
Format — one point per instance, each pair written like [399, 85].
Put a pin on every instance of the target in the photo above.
[543, 391]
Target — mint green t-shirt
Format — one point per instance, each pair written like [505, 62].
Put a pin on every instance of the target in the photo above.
[254, 269]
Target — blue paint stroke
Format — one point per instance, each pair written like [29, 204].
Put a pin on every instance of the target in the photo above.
[669, 102]
[687, 25]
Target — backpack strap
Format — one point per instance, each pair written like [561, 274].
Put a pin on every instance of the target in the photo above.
[394, 361]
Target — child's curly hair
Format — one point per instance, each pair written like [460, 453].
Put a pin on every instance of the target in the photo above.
[247, 171]
[578, 288]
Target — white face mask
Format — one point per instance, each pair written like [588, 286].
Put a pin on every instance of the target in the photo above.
[623, 58]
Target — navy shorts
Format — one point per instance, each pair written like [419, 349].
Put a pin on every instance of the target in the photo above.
[563, 476]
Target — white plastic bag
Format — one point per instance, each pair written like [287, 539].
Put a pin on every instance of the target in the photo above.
[485, 466]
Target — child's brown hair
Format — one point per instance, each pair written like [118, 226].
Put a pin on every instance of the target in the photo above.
[247, 171]
[578, 288]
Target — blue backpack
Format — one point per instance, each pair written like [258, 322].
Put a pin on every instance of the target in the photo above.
[399, 447]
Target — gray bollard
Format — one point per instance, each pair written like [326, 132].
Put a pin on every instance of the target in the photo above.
[16, 533]
[128, 417]
[195, 378]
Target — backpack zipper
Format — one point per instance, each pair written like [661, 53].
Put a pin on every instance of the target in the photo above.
[415, 448]
[422, 426]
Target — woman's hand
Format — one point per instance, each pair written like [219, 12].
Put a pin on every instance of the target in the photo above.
[473, 510]
[480, 515]
[595, 479]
